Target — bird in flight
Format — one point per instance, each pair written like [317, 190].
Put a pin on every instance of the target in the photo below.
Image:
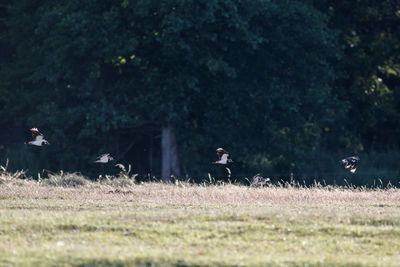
[105, 158]
[222, 157]
[37, 138]
[351, 162]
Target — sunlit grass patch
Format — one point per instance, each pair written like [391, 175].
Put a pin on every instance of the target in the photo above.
[190, 225]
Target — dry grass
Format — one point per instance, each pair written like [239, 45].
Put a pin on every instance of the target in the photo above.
[183, 225]
[187, 194]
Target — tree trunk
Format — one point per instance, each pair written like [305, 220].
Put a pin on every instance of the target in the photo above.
[169, 148]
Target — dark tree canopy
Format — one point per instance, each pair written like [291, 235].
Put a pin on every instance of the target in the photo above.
[279, 84]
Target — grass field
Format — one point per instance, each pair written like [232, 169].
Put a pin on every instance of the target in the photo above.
[156, 224]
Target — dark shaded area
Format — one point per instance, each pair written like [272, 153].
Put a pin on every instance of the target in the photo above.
[287, 87]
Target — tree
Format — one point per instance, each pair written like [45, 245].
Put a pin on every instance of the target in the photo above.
[370, 35]
[254, 76]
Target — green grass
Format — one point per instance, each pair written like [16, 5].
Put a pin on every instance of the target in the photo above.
[184, 225]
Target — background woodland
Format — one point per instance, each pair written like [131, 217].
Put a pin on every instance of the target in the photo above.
[287, 87]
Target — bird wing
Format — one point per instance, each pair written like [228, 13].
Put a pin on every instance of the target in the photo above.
[353, 159]
[224, 157]
[346, 163]
[353, 169]
[102, 156]
[36, 135]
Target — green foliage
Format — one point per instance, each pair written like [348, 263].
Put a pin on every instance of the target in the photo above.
[258, 95]
[370, 37]
[271, 81]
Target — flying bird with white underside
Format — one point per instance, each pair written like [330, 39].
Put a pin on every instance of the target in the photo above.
[105, 158]
[222, 157]
[37, 138]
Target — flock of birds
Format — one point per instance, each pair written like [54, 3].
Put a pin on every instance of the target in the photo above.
[223, 155]
[349, 162]
[38, 140]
